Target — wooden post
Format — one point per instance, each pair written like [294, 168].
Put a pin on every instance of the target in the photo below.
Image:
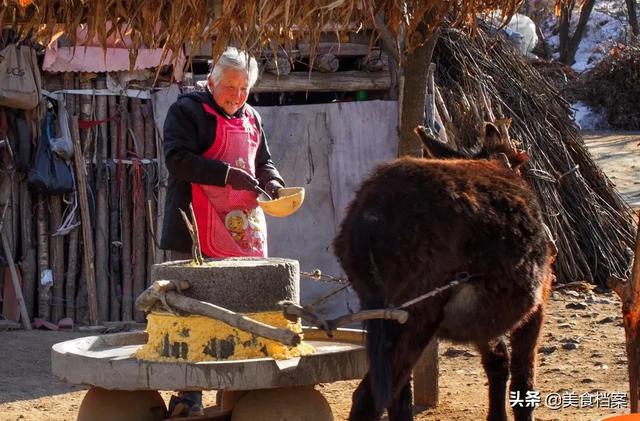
[125, 211]
[115, 245]
[44, 272]
[72, 274]
[139, 232]
[57, 259]
[629, 294]
[24, 316]
[87, 238]
[29, 268]
[102, 208]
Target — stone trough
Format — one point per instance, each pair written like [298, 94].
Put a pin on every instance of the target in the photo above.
[110, 365]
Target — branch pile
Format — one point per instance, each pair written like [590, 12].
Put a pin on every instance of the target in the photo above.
[484, 78]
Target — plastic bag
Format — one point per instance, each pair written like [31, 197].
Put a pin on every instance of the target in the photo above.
[49, 175]
[63, 146]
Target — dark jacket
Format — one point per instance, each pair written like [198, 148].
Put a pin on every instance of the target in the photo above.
[189, 131]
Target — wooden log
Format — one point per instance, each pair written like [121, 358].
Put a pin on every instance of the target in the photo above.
[68, 82]
[72, 275]
[629, 293]
[151, 171]
[102, 207]
[56, 244]
[324, 82]
[85, 217]
[115, 243]
[28, 265]
[139, 233]
[44, 272]
[24, 315]
[201, 308]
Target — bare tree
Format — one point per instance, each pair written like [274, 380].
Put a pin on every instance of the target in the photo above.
[569, 43]
[633, 16]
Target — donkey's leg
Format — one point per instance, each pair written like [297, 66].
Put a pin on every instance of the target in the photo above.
[408, 342]
[495, 360]
[524, 346]
[401, 407]
[363, 406]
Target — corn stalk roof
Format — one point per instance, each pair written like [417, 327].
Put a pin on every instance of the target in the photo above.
[247, 24]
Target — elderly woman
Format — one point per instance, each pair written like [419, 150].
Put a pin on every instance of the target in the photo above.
[216, 154]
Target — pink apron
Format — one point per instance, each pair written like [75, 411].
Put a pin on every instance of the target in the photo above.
[230, 223]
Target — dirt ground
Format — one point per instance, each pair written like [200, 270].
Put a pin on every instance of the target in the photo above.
[582, 363]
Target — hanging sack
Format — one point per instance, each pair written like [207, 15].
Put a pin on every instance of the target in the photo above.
[62, 145]
[19, 77]
[50, 175]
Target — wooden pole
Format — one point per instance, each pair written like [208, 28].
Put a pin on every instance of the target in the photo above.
[24, 315]
[125, 212]
[102, 208]
[115, 257]
[44, 272]
[139, 232]
[72, 274]
[87, 238]
[629, 293]
[28, 265]
[57, 259]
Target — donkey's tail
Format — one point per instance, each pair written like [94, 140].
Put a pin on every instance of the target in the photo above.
[378, 330]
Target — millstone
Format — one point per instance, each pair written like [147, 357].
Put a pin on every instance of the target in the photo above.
[243, 285]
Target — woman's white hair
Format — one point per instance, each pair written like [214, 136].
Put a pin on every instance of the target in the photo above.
[232, 58]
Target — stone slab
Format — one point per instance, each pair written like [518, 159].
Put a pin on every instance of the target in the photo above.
[106, 361]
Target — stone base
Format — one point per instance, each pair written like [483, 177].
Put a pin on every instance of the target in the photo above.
[122, 405]
[291, 404]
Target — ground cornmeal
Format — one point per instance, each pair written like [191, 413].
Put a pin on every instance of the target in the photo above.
[198, 338]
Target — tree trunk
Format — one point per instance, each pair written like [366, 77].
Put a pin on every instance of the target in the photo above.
[633, 16]
[414, 96]
[569, 44]
[57, 259]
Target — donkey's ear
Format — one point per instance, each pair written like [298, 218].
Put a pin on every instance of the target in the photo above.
[491, 136]
[435, 149]
[518, 159]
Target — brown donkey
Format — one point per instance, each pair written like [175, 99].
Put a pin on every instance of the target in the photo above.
[416, 225]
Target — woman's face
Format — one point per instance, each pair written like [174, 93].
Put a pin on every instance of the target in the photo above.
[232, 91]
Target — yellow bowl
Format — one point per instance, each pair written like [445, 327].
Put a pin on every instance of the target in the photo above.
[288, 202]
